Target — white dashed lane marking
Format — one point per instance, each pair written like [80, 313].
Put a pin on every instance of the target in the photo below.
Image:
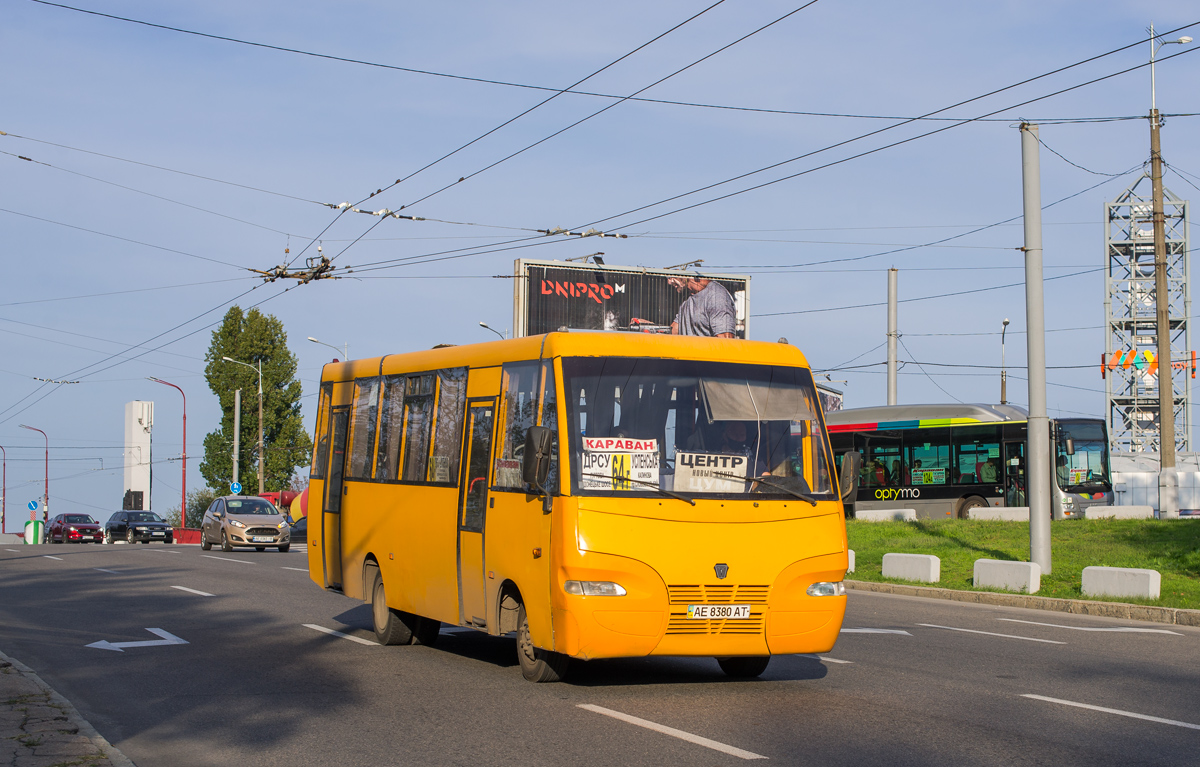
[876, 631]
[824, 658]
[193, 591]
[101, 569]
[989, 633]
[227, 559]
[674, 733]
[47, 556]
[1117, 711]
[339, 634]
[1119, 629]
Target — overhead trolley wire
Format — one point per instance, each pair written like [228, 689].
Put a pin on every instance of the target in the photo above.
[885, 129]
[571, 91]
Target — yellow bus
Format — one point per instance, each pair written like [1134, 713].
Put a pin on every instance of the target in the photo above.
[599, 494]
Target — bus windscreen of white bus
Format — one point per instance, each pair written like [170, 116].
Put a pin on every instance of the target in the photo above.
[694, 428]
[1087, 469]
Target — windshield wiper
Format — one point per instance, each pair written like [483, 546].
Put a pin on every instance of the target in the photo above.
[766, 481]
[642, 482]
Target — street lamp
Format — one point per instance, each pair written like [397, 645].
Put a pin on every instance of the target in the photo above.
[183, 503]
[1003, 369]
[345, 350]
[261, 469]
[1155, 44]
[497, 332]
[46, 495]
[3, 487]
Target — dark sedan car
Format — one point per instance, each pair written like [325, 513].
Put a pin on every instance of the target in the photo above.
[73, 528]
[134, 526]
[300, 530]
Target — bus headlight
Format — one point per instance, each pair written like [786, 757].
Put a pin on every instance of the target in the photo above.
[594, 588]
[827, 589]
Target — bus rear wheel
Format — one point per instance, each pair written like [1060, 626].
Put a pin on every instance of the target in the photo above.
[389, 628]
[537, 665]
[745, 667]
[968, 503]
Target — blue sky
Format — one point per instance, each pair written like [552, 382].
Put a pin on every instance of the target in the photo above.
[326, 131]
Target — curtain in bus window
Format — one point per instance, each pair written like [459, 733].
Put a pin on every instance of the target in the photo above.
[750, 400]
[976, 455]
[321, 446]
[518, 412]
[418, 424]
[391, 428]
[447, 438]
[362, 428]
[928, 456]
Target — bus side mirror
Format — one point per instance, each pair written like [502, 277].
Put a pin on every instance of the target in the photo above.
[1070, 446]
[851, 464]
[535, 467]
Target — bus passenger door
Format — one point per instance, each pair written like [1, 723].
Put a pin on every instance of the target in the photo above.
[331, 505]
[1015, 493]
[473, 501]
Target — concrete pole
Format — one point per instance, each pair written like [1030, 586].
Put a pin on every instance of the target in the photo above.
[892, 334]
[1037, 461]
[1168, 500]
[237, 430]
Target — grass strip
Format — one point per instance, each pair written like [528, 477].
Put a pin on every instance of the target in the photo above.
[1172, 547]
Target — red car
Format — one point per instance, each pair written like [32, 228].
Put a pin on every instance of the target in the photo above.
[74, 528]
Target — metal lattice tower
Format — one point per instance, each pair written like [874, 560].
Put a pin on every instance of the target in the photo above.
[1131, 394]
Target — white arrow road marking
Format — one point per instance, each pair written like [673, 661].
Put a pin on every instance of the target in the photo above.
[227, 559]
[167, 638]
[827, 660]
[989, 633]
[1116, 711]
[324, 630]
[876, 631]
[674, 733]
[101, 569]
[47, 556]
[1121, 629]
[193, 591]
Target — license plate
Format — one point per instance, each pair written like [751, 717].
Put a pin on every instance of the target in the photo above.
[718, 612]
[158, 533]
[262, 539]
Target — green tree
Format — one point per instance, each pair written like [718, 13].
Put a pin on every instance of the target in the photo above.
[198, 502]
[252, 337]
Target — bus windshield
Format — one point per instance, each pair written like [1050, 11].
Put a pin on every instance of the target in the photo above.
[694, 428]
[1087, 469]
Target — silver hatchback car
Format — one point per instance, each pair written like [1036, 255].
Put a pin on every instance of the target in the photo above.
[244, 521]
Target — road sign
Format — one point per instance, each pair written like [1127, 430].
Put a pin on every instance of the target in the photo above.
[235, 488]
[167, 639]
[32, 505]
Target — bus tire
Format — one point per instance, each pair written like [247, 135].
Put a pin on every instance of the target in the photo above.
[389, 629]
[744, 667]
[425, 630]
[537, 665]
[968, 503]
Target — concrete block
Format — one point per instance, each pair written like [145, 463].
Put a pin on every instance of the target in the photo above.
[912, 567]
[1007, 575]
[1001, 514]
[1121, 582]
[886, 515]
[850, 569]
[11, 538]
[1119, 512]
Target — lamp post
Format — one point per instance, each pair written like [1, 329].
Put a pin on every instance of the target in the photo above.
[261, 469]
[497, 332]
[3, 487]
[1162, 301]
[1003, 369]
[345, 350]
[46, 494]
[183, 502]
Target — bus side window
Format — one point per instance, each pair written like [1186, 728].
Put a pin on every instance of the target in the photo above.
[363, 424]
[447, 438]
[321, 447]
[518, 411]
[391, 428]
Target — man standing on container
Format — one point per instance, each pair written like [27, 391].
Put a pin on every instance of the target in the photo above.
[708, 311]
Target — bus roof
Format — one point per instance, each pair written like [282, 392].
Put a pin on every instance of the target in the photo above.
[920, 416]
[570, 344]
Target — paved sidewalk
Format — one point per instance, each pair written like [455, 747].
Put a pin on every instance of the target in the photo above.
[40, 728]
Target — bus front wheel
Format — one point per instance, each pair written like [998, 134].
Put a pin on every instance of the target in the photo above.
[968, 503]
[537, 665]
[389, 628]
[746, 667]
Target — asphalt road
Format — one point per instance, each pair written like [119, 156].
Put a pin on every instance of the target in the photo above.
[911, 681]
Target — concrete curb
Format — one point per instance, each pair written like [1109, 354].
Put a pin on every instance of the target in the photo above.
[105, 749]
[1171, 615]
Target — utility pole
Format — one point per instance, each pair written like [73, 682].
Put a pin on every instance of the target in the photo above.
[1003, 369]
[237, 430]
[261, 476]
[1037, 462]
[892, 334]
[1168, 501]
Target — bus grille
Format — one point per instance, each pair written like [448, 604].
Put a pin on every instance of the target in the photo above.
[696, 594]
